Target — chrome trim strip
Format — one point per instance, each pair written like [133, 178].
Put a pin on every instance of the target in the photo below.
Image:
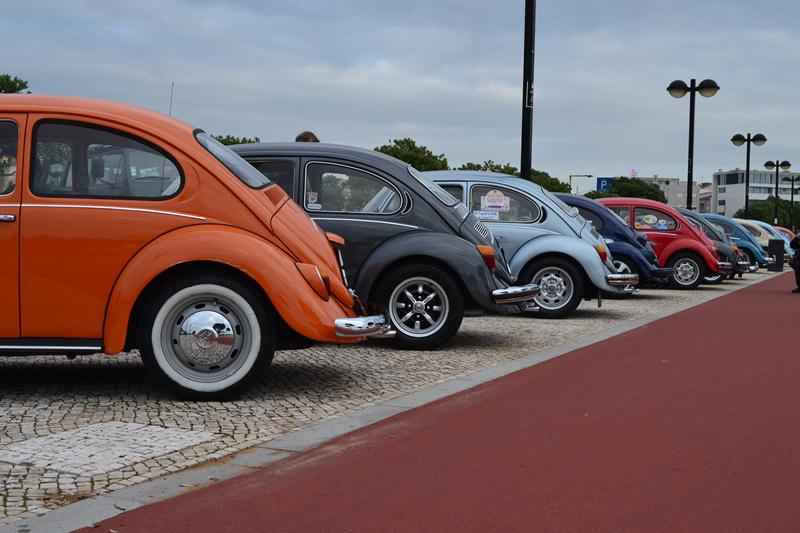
[113, 208]
[50, 348]
[10, 205]
[366, 220]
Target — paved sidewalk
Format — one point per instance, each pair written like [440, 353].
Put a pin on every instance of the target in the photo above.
[685, 424]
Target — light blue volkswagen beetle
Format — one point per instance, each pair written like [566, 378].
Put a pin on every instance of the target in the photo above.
[543, 239]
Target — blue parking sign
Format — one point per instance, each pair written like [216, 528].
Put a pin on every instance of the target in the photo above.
[603, 184]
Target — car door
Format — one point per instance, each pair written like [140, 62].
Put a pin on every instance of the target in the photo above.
[660, 227]
[510, 215]
[364, 206]
[81, 222]
[12, 128]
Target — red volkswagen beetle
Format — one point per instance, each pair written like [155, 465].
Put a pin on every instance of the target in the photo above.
[676, 242]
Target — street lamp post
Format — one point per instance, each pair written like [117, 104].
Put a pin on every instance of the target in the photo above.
[778, 165]
[577, 176]
[678, 89]
[738, 140]
[527, 90]
[791, 202]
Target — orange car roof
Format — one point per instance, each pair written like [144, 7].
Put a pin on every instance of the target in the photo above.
[90, 107]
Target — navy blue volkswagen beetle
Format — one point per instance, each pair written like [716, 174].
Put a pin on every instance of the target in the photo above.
[628, 247]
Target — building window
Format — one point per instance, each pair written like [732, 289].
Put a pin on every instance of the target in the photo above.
[721, 202]
[721, 190]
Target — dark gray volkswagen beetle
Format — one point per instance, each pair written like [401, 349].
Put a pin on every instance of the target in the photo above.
[411, 249]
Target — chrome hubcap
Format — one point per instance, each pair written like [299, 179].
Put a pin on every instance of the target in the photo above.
[621, 267]
[205, 336]
[418, 307]
[556, 288]
[686, 271]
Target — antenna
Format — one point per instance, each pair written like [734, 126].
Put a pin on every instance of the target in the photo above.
[171, 92]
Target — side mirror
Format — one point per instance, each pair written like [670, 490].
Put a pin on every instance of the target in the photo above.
[98, 169]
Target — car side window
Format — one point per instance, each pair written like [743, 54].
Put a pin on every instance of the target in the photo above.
[341, 189]
[596, 221]
[498, 204]
[81, 160]
[652, 219]
[280, 172]
[726, 228]
[455, 190]
[9, 137]
[622, 212]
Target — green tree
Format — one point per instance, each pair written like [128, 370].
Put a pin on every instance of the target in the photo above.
[764, 210]
[10, 85]
[231, 139]
[631, 187]
[418, 156]
[537, 176]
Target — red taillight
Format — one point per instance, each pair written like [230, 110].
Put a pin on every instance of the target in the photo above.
[487, 253]
[602, 251]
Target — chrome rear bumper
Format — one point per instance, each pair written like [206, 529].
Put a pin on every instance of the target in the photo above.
[520, 293]
[622, 279]
[724, 267]
[361, 326]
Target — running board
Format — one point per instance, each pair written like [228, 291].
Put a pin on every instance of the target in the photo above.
[51, 346]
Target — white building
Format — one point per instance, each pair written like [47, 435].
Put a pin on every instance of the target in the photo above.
[727, 189]
[674, 189]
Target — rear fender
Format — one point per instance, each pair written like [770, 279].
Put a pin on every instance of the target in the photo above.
[460, 255]
[574, 248]
[265, 264]
[680, 245]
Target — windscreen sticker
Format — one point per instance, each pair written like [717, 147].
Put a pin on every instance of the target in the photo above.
[312, 197]
[495, 200]
[315, 207]
[487, 215]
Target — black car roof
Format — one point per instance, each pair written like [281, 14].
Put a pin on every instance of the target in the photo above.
[304, 149]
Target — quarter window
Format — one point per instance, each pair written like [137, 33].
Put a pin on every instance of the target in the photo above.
[596, 221]
[726, 228]
[455, 190]
[652, 220]
[498, 204]
[280, 172]
[622, 212]
[341, 189]
[87, 161]
[9, 137]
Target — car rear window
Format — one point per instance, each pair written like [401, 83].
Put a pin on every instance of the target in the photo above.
[243, 170]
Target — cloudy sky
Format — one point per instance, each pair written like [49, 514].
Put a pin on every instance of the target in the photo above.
[445, 72]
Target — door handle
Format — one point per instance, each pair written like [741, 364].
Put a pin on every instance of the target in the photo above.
[8, 218]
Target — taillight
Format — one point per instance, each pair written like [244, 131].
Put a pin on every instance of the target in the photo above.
[602, 251]
[487, 253]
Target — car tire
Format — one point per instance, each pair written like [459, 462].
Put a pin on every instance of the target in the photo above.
[750, 257]
[561, 286]
[425, 306]
[206, 337]
[713, 279]
[683, 279]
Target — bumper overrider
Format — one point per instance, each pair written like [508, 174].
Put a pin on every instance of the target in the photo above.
[361, 326]
[519, 293]
[724, 267]
[627, 282]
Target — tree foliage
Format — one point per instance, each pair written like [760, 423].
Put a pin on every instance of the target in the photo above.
[537, 176]
[11, 85]
[632, 188]
[418, 156]
[231, 139]
[764, 210]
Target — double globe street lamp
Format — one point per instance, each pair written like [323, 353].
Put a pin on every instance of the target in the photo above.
[738, 140]
[778, 166]
[791, 202]
[679, 89]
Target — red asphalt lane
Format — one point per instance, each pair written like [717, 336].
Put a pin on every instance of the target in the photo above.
[690, 423]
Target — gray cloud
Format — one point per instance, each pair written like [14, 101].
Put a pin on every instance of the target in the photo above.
[446, 73]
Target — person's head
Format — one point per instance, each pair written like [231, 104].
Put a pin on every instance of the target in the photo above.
[306, 137]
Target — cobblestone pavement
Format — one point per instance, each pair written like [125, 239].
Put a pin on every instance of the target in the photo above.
[73, 429]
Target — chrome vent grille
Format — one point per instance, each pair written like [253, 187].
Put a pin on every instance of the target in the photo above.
[483, 230]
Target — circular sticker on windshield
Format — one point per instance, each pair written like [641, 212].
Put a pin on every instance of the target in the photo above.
[649, 219]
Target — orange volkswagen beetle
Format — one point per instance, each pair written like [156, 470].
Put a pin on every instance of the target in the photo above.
[123, 228]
